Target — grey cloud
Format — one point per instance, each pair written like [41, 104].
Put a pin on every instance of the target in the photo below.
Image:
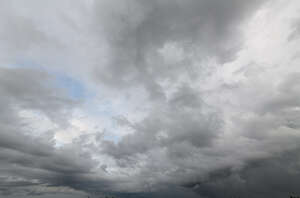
[168, 144]
[23, 32]
[136, 30]
[187, 144]
[33, 89]
[182, 119]
[175, 154]
[25, 160]
[276, 176]
[288, 96]
[47, 166]
[275, 110]
[295, 31]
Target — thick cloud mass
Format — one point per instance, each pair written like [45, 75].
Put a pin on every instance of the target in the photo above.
[139, 98]
[136, 30]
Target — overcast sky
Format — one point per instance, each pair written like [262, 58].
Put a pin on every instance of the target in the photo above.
[149, 98]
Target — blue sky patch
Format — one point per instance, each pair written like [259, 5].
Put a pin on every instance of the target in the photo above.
[74, 87]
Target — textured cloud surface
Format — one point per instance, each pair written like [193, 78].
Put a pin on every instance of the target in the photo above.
[139, 98]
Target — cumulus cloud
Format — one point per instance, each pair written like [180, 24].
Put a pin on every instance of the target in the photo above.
[137, 30]
[195, 98]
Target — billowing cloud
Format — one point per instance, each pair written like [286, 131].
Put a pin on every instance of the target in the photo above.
[137, 30]
[195, 98]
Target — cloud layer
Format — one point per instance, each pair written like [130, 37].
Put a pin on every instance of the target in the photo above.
[195, 98]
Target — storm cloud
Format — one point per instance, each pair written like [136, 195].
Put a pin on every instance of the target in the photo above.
[162, 98]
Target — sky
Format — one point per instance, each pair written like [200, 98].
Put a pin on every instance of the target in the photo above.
[149, 98]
